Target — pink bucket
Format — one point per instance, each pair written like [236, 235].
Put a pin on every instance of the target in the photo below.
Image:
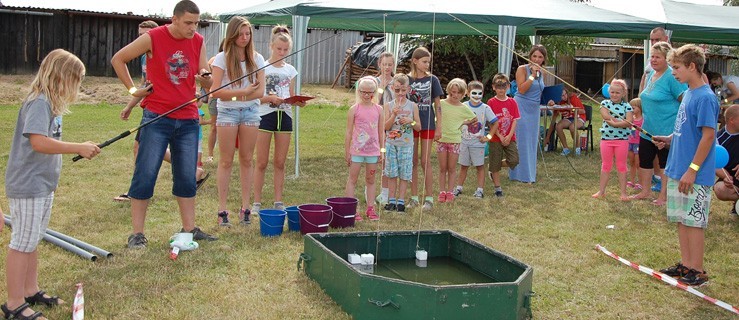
[344, 211]
[314, 218]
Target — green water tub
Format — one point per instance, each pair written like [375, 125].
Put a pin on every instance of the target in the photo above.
[368, 296]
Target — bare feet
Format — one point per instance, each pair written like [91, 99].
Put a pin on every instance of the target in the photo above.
[598, 195]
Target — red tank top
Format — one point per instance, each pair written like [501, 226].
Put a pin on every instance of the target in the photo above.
[171, 69]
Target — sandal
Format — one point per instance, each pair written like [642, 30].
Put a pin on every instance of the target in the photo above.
[200, 182]
[638, 197]
[18, 313]
[658, 202]
[122, 198]
[39, 298]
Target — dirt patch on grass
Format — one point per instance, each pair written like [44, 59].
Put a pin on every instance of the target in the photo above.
[108, 90]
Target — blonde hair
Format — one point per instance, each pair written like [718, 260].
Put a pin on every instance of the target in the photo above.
[366, 79]
[59, 78]
[621, 83]
[635, 103]
[420, 52]
[281, 32]
[233, 63]
[457, 82]
[688, 54]
[401, 79]
[662, 47]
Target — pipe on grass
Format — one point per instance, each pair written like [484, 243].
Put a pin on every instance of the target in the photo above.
[62, 244]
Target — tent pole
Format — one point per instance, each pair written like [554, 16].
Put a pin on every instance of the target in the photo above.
[300, 30]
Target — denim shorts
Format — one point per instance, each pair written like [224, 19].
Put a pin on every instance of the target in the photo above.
[181, 136]
[232, 117]
[634, 147]
[365, 159]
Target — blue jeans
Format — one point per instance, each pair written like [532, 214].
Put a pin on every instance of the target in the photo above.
[232, 117]
[182, 138]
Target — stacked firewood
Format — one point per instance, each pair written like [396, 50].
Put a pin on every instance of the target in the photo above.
[445, 67]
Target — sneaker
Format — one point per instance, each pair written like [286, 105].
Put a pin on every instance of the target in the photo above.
[198, 234]
[565, 152]
[657, 187]
[381, 199]
[479, 194]
[244, 216]
[400, 208]
[442, 197]
[427, 205]
[358, 217]
[137, 241]
[499, 193]
[256, 207]
[412, 203]
[390, 207]
[676, 271]
[577, 151]
[223, 219]
[371, 214]
[278, 205]
[448, 197]
[457, 192]
[695, 278]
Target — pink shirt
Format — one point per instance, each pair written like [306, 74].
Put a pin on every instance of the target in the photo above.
[365, 137]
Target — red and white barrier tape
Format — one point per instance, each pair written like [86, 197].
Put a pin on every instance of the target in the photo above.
[78, 307]
[669, 280]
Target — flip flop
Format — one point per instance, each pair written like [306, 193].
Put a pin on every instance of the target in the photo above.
[200, 182]
[122, 198]
[638, 197]
[658, 202]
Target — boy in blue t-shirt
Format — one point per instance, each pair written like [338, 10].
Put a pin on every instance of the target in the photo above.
[690, 164]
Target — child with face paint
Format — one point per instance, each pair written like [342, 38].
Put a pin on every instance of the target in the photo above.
[364, 141]
[472, 149]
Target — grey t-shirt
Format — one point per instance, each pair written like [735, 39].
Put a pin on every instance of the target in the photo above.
[31, 174]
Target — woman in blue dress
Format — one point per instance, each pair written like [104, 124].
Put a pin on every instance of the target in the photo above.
[530, 85]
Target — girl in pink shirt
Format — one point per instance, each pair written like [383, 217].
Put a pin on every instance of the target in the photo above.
[633, 158]
[364, 141]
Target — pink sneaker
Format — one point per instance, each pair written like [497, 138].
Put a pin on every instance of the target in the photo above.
[371, 214]
[358, 217]
[449, 197]
[442, 197]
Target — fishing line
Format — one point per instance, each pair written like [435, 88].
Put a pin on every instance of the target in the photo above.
[197, 97]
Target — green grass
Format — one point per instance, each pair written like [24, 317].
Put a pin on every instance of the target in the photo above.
[552, 226]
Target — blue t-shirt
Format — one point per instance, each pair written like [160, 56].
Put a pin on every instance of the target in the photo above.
[423, 92]
[619, 110]
[699, 109]
[659, 103]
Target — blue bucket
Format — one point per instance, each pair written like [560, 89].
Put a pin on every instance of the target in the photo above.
[293, 218]
[271, 222]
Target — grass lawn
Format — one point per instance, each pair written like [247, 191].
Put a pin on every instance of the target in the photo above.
[553, 226]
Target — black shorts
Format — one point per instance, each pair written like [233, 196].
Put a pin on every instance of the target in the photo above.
[647, 152]
[277, 121]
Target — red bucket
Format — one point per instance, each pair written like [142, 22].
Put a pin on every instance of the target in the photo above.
[314, 218]
[344, 211]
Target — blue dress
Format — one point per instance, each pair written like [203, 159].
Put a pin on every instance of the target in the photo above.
[527, 130]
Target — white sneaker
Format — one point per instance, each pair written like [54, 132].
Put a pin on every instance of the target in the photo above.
[457, 191]
[255, 207]
[427, 205]
[479, 194]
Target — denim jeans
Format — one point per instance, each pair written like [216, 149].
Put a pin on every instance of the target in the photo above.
[181, 136]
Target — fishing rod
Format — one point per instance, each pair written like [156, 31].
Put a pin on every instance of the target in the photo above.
[129, 132]
[637, 128]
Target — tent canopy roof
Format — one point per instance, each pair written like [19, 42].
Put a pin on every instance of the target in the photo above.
[689, 22]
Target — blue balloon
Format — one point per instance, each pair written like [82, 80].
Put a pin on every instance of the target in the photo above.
[604, 90]
[722, 156]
